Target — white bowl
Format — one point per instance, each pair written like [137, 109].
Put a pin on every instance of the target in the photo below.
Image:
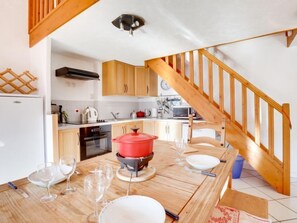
[202, 162]
[133, 209]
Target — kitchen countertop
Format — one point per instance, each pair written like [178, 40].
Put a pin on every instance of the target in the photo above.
[118, 121]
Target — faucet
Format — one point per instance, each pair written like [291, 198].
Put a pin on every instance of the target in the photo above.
[115, 115]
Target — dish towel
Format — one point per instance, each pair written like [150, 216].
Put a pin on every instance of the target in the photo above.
[223, 214]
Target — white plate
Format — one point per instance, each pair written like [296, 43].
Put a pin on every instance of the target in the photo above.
[33, 178]
[202, 162]
[133, 209]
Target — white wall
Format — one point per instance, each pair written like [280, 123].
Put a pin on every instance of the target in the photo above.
[271, 66]
[14, 37]
[71, 89]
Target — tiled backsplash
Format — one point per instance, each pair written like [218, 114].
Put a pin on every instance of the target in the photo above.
[104, 107]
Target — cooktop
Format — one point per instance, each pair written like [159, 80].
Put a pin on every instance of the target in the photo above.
[81, 123]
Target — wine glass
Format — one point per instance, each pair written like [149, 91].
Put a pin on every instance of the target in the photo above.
[46, 172]
[180, 148]
[108, 172]
[94, 188]
[67, 167]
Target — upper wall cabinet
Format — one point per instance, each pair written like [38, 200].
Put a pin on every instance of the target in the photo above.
[146, 82]
[117, 78]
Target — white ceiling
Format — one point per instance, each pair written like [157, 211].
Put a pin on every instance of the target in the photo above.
[171, 26]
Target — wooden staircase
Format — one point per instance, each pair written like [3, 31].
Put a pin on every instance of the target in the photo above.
[256, 125]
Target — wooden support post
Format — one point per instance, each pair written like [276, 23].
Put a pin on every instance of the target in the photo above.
[200, 64]
[174, 62]
[221, 89]
[244, 108]
[271, 130]
[257, 120]
[210, 80]
[182, 64]
[232, 99]
[191, 67]
[286, 149]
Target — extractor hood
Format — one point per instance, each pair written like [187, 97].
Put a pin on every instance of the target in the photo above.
[76, 74]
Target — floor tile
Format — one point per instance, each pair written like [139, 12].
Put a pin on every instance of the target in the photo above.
[245, 173]
[239, 184]
[255, 192]
[272, 219]
[280, 212]
[254, 181]
[293, 190]
[290, 203]
[253, 172]
[271, 192]
[290, 221]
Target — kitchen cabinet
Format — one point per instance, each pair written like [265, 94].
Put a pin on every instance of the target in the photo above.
[124, 128]
[68, 140]
[146, 82]
[149, 127]
[168, 130]
[118, 78]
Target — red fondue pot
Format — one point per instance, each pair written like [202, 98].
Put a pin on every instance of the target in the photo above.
[135, 144]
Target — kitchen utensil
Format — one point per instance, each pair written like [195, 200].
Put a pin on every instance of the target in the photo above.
[133, 209]
[16, 189]
[172, 215]
[67, 165]
[203, 172]
[154, 113]
[135, 144]
[147, 112]
[202, 162]
[133, 115]
[140, 114]
[89, 115]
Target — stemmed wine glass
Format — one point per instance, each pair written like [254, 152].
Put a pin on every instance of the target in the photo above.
[67, 167]
[180, 148]
[108, 172]
[46, 173]
[94, 188]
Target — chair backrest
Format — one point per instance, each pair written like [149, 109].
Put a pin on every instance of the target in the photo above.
[218, 127]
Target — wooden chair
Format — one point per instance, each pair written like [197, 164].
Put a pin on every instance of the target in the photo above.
[254, 205]
[217, 127]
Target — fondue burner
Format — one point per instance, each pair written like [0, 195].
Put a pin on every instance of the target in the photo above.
[137, 168]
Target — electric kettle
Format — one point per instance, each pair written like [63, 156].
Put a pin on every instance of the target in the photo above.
[147, 112]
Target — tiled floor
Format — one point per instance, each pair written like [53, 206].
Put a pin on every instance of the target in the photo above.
[281, 208]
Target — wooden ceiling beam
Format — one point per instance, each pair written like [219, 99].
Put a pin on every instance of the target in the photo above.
[291, 34]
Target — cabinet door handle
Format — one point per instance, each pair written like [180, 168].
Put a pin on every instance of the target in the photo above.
[127, 88]
[78, 141]
[147, 89]
[168, 129]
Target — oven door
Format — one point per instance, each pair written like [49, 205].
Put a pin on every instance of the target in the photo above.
[95, 145]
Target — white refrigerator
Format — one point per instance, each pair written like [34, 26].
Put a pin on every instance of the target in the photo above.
[21, 136]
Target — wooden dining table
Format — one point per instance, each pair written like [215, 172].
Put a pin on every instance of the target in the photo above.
[187, 193]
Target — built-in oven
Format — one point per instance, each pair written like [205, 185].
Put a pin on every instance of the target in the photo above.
[95, 141]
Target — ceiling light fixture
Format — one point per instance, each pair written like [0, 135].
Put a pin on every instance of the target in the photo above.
[128, 23]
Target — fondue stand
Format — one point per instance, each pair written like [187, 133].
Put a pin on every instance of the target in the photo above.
[135, 152]
[135, 169]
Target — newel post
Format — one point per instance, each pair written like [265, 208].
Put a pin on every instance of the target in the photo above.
[286, 149]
